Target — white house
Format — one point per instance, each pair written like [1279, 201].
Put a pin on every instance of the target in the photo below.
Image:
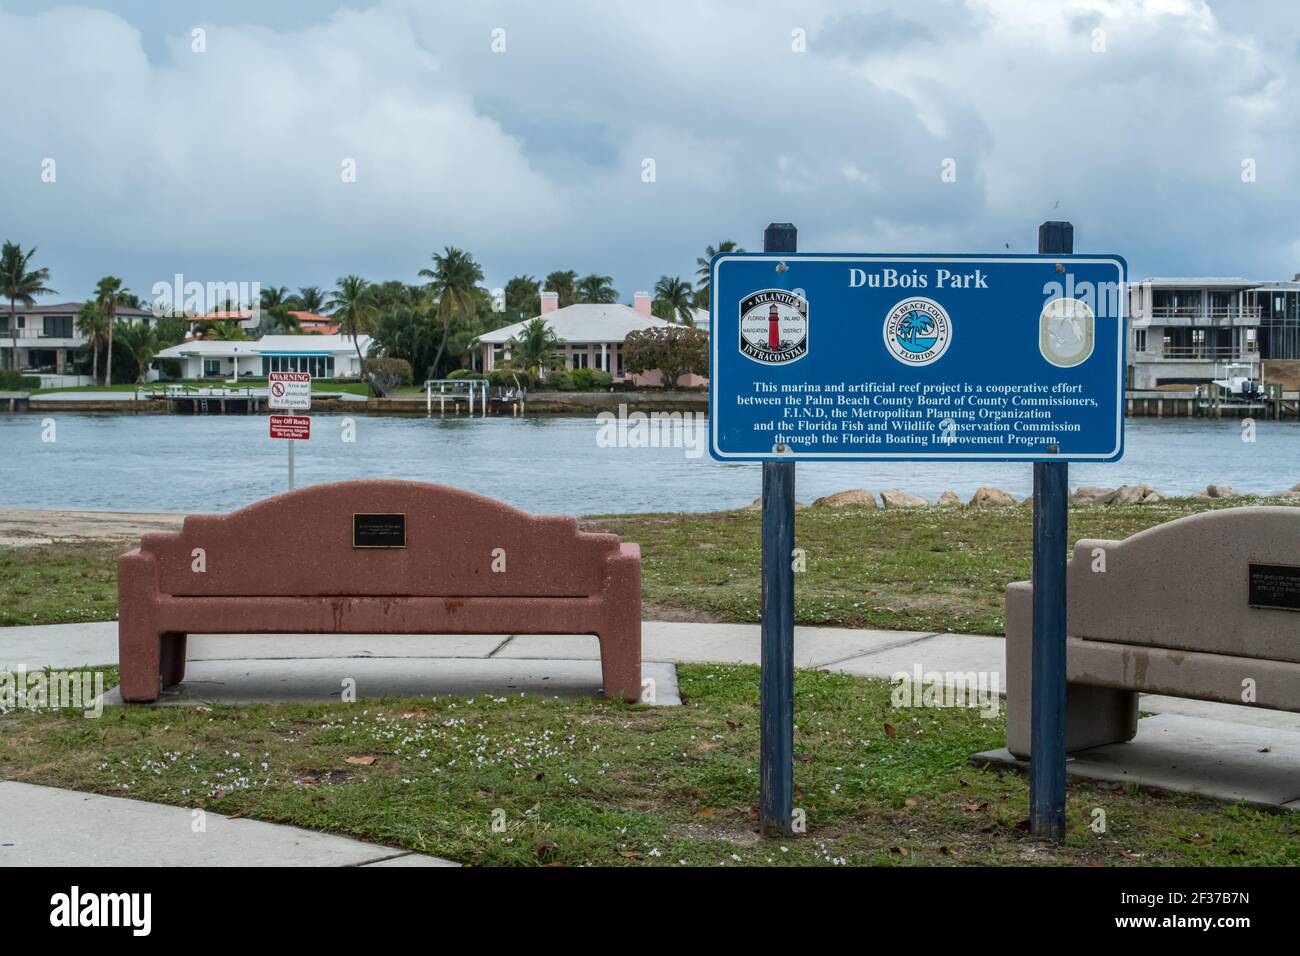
[323, 356]
[592, 336]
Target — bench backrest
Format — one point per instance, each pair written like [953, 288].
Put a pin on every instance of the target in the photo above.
[1184, 585]
[301, 544]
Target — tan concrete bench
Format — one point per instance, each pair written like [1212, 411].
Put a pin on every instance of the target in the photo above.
[1171, 614]
[294, 563]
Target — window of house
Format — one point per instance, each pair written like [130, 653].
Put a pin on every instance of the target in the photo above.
[211, 367]
[58, 326]
[579, 360]
[1140, 340]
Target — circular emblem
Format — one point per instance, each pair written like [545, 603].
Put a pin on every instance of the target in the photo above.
[917, 331]
[1066, 331]
[774, 326]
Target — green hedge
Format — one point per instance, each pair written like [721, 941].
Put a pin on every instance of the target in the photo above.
[13, 380]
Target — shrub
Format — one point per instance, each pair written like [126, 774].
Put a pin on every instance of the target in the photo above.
[590, 379]
[674, 350]
[13, 380]
[386, 374]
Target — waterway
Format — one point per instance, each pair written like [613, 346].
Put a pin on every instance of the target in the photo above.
[115, 462]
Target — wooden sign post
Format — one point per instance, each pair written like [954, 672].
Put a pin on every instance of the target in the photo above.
[776, 696]
[1051, 520]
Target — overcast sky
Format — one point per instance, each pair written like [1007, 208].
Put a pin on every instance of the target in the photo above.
[1136, 119]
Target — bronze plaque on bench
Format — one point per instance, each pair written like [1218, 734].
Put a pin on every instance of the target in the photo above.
[379, 530]
[1275, 586]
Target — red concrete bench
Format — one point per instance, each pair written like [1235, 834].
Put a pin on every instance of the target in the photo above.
[290, 564]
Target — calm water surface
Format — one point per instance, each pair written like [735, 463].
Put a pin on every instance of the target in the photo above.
[547, 465]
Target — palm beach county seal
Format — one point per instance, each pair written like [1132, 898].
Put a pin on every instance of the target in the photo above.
[774, 326]
[917, 331]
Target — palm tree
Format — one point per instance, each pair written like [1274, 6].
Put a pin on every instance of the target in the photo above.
[17, 284]
[563, 283]
[675, 294]
[273, 296]
[311, 299]
[351, 305]
[92, 326]
[108, 296]
[533, 349]
[913, 325]
[521, 297]
[702, 283]
[142, 345]
[599, 289]
[455, 277]
[229, 330]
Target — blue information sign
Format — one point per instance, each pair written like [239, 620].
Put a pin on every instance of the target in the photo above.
[991, 357]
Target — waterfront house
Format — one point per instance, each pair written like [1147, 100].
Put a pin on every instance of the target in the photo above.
[246, 319]
[312, 324]
[1181, 329]
[323, 356]
[48, 341]
[592, 336]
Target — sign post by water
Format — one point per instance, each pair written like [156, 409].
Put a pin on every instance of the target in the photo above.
[1006, 357]
[290, 391]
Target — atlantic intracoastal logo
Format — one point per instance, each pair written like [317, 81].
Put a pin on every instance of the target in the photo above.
[774, 326]
[917, 331]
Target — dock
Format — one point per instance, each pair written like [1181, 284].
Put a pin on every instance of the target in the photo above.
[1212, 401]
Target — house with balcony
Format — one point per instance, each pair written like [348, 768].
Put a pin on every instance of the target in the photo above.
[47, 337]
[1184, 331]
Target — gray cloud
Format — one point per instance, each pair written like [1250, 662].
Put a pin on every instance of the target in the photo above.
[226, 164]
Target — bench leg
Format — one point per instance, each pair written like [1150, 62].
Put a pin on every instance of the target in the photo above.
[140, 660]
[172, 658]
[1094, 716]
[620, 663]
[620, 632]
[139, 642]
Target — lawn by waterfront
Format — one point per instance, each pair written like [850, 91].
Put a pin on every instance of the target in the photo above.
[932, 569]
[589, 781]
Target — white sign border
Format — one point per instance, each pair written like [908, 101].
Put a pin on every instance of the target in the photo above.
[717, 452]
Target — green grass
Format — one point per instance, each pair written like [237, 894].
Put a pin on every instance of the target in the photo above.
[590, 781]
[932, 569]
[59, 583]
[918, 569]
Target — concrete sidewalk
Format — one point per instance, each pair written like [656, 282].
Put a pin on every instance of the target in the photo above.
[862, 652]
[840, 648]
[1219, 750]
[45, 826]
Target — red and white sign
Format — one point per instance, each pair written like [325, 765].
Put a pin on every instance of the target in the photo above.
[289, 390]
[297, 427]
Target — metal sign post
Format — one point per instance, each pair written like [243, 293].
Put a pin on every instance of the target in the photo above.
[292, 391]
[1051, 522]
[776, 696]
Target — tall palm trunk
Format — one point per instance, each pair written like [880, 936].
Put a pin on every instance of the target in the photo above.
[94, 362]
[13, 332]
[108, 359]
